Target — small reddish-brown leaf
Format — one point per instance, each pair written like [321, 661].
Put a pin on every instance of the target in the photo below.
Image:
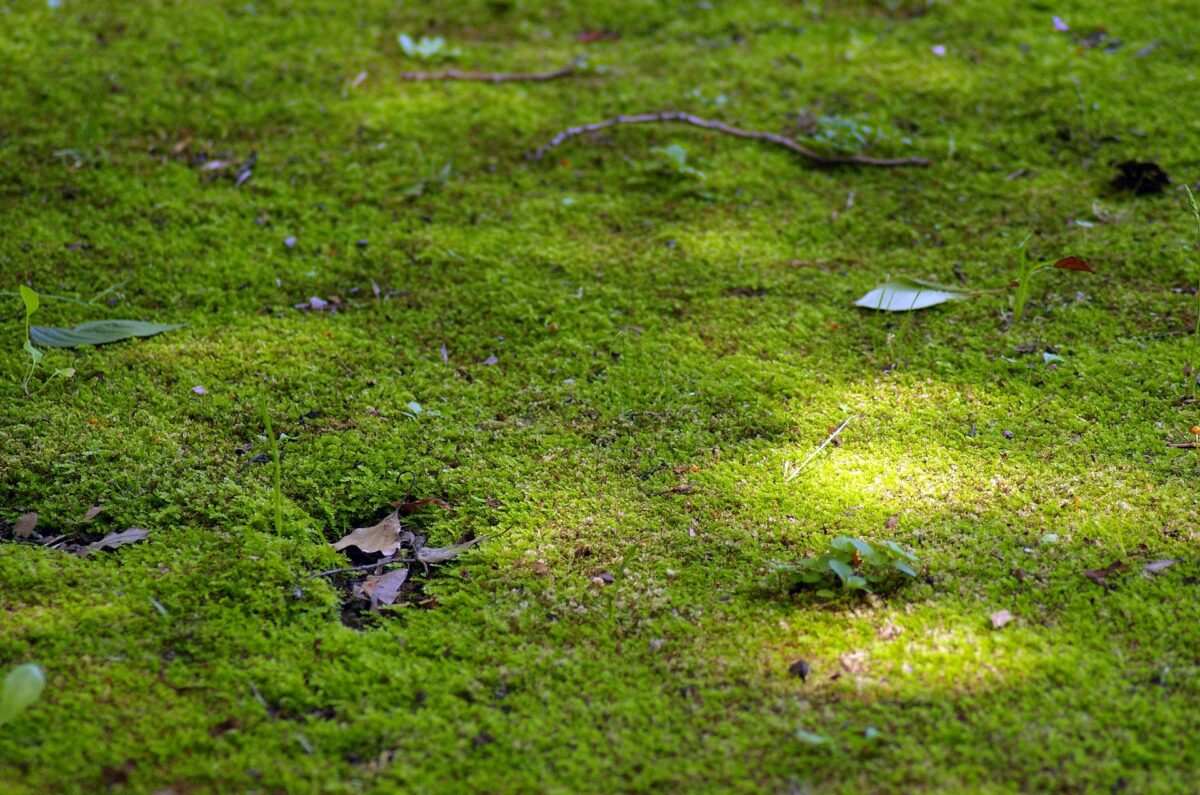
[383, 538]
[1100, 576]
[416, 505]
[115, 539]
[683, 488]
[25, 525]
[892, 523]
[1073, 264]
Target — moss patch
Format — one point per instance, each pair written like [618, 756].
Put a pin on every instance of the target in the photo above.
[642, 321]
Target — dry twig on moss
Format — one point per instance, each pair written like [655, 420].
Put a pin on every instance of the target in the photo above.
[492, 77]
[709, 124]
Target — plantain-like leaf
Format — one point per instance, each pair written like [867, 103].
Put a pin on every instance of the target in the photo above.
[904, 293]
[97, 332]
[21, 688]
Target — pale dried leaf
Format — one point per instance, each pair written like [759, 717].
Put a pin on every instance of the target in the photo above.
[1001, 619]
[92, 512]
[118, 539]
[383, 589]
[428, 555]
[25, 525]
[1159, 566]
[383, 538]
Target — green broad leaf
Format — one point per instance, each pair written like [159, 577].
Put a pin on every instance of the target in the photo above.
[97, 332]
[33, 352]
[901, 551]
[904, 294]
[825, 593]
[846, 542]
[32, 302]
[900, 565]
[811, 738]
[841, 569]
[856, 583]
[22, 687]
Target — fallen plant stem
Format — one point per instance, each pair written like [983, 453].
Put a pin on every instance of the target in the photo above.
[364, 567]
[493, 77]
[709, 124]
[825, 443]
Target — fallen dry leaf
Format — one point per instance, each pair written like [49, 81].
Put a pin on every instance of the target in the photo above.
[683, 488]
[1100, 576]
[603, 578]
[427, 555]
[1158, 566]
[383, 589]
[1001, 619]
[92, 512]
[117, 539]
[854, 662]
[384, 538]
[25, 525]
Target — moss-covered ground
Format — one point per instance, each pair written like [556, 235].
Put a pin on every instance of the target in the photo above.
[667, 349]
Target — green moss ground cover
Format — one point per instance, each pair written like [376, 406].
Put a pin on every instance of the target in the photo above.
[665, 348]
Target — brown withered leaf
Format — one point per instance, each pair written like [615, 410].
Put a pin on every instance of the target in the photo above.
[384, 538]
[1073, 264]
[116, 539]
[416, 505]
[383, 589]
[1100, 576]
[428, 555]
[92, 512]
[25, 525]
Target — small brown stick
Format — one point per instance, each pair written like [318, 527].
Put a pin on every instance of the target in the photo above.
[492, 77]
[1184, 445]
[364, 567]
[709, 124]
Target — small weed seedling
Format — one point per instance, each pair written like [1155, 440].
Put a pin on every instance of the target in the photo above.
[427, 48]
[32, 302]
[851, 564]
[274, 443]
[1196, 332]
[674, 158]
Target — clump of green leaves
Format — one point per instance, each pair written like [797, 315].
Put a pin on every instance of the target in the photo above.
[848, 565]
[22, 687]
[844, 135]
[674, 158]
[427, 48]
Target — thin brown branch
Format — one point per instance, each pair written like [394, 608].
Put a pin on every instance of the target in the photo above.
[492, 77]
[377, 564]
[709, 124]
